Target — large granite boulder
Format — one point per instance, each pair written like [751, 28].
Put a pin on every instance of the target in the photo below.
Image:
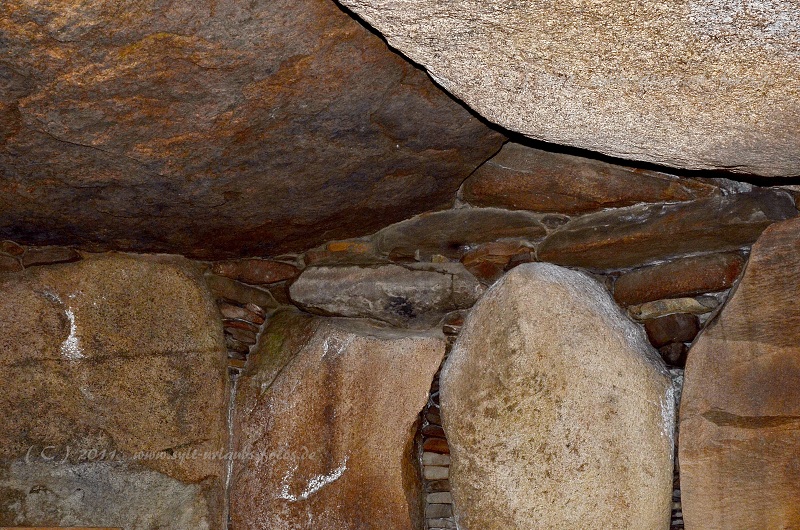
[114, 396]
[217, 129]
[740, 411]
[325, 422]
[558, 413]
[698, 84]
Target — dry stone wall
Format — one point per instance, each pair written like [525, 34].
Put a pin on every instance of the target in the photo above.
[668, 255]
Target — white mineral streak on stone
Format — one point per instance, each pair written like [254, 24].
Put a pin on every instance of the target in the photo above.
[71, 348]
[313, 486]
[336, 345]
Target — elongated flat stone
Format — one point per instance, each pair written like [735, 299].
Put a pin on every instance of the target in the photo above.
[416, 296]
[628, 237]
[450, 232]
[568, 422]
[740, 411]
[524, 178]
[684, 277]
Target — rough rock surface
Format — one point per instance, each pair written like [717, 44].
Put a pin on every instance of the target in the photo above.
[524, 178]
[449, 232]
[217, 129]
[119, 355]
[698, 84]
[636, 235]
[685, 277]
[416, 296]
[334, 405]
[740, 411]
[568, 422]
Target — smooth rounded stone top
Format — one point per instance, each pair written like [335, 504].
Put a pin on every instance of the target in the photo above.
[558, 413]
[697, 84]
[740, 411]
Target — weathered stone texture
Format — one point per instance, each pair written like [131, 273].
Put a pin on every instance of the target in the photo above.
[417, 296]
[217, 129]
[557, 411]
[255, 271]
[637, 235]
[117, 354]
[697, 84]
[333, 405]
[524, 178]
[684, 277]
[740, 411]
[449, 232]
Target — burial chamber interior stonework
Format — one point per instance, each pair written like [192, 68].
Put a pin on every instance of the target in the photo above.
[400, 265]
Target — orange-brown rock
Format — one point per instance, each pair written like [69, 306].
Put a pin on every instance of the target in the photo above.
[332, 406]
[347, 252]
[255, 271]
[684, 277]
[217, 129]
[250, 313]
[740, 411]
[679, 327]
[11, 248]
[641, 234]
[524, 178]
[487, 262]
[9, 264]
[225, 288]
[451, 232]
[117, 364]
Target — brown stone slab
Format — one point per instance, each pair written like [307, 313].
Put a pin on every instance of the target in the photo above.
[450, 232]
[683, 277]
[524, 178]
[740, 411]
[219, 130]
[637, 235]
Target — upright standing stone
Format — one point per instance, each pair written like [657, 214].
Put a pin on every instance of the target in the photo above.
[332, 405]
[114, 396]
[558, 413]
[740, 413]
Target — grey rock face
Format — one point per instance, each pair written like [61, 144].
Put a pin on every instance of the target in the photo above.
[416, 297]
